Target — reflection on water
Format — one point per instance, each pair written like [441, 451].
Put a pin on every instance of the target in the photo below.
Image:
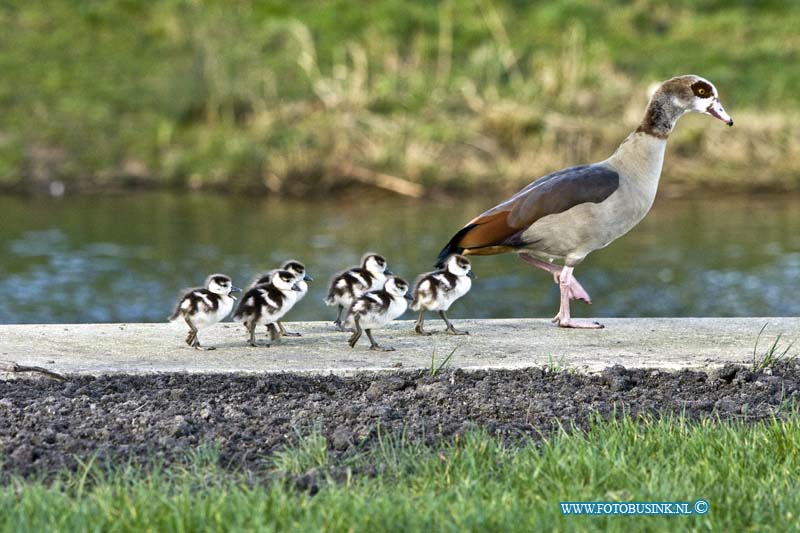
[124, 259]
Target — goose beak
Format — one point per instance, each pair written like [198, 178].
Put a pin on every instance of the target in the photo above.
[307, 278]
[297, 288]
[717, 111]
[388, 272]
[408, 297]
[235, 289]
[472, 274]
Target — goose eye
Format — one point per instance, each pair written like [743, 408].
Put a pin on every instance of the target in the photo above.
[702, 90]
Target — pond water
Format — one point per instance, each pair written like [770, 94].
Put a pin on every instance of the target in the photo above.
[126, 258]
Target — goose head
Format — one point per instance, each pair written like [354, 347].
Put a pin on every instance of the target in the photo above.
[696, 94]
[679, 95]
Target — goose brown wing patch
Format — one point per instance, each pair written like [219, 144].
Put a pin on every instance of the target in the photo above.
[488, 230]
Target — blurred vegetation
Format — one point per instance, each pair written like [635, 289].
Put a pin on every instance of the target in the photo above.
[300, 97]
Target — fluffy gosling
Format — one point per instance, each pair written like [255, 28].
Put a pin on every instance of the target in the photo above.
[347, 286]
[205, 306]
[375, 309]
[436, 291]
[265, 304]
[301, 277]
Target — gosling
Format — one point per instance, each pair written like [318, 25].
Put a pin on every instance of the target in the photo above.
[347, 286]
[436, 291]
[265, 304]
[205, 306]
[375, 309]
[301, 277]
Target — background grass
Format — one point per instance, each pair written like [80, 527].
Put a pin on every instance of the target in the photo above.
[295, 97]
[748, 474]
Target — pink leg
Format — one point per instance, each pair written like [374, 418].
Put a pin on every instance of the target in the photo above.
[576, 291]
[563, 318]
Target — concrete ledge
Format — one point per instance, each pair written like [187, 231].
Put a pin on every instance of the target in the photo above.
[667, 343]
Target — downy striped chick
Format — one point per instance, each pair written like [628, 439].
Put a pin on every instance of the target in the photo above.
[265, 304]
[204, 306]
[436, 291]
[301, 277]
[375, 309]
[347, 286]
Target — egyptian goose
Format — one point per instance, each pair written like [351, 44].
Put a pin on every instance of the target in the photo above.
[205, 306]
[568, 214]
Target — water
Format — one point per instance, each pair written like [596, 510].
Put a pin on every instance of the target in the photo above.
[126, 258]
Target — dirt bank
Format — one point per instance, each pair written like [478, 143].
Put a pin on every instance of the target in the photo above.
[47, 425]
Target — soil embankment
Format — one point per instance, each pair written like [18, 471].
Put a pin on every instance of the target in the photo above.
[49, 425]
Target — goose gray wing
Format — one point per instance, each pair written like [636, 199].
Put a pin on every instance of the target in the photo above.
[500, 228]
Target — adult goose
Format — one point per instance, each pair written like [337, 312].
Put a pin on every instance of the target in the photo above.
[564, 216]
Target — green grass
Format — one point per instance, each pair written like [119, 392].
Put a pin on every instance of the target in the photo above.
[435, 369]
[748, 474]
[774, 354]
[292, 97]
[557, 365]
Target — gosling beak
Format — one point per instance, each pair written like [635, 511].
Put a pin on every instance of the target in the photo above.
[235, 289]
[388, 272]
[717, 111]
[297, 288]
[472, 274]
[307, 278]
[408, 297]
